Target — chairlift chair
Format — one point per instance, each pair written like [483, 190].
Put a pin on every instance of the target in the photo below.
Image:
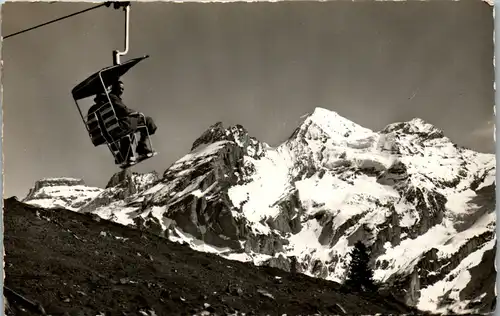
[102, 124]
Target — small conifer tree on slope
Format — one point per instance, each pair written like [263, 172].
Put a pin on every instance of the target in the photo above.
[359, 274]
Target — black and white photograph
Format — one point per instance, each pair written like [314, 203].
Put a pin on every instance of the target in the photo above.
[248, 158]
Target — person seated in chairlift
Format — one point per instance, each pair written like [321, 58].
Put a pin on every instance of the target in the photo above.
[129, 120]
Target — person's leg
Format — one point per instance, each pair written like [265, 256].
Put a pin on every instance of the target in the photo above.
[129, 126]
[143, 147]
[150, 124]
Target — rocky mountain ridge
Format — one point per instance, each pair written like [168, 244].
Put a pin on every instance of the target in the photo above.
[425, 206]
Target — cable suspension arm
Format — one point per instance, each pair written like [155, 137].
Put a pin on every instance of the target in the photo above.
[116, 53]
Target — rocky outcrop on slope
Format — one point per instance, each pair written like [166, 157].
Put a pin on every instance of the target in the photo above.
[484, 276]
[431, 268]
[430, 207]
[196, 201]
[484, 202]
[122, 188]
[396, 173]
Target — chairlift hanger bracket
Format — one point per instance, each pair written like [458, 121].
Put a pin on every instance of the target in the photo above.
[116, 53]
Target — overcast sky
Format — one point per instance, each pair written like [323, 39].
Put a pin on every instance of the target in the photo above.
[262, 65]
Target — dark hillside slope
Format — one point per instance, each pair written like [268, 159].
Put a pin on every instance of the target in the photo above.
[76, 264]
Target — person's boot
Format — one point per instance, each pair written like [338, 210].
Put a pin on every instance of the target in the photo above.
[143, 149]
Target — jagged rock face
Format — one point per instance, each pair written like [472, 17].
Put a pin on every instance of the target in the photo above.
[193, 194]
[213, 134]
[423, 205]
[121, 192]
[132, 182]
[192, 197]
[237, 134]
[397, 172]
[65, 193]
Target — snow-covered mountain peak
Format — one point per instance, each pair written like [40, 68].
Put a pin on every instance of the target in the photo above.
[325, 135]
[332, 125]
[415, 126]
[53, 182]
[328, 140]
[69, 193]
[417, 138]
[214, 133]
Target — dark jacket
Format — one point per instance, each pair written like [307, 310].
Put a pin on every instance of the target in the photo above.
[99, 100]
[126, 122]
[121, 110]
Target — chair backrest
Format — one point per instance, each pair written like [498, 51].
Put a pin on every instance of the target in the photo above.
[103, 125]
